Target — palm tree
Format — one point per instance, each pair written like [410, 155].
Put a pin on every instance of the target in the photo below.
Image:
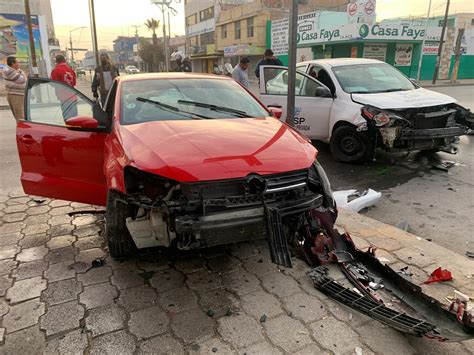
[152, 24]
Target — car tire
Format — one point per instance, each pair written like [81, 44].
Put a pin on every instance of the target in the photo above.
[350, 146]
[119, 240]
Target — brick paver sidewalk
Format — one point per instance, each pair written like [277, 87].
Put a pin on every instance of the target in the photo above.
[222, 301]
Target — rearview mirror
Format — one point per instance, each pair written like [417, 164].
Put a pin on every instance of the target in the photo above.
[322, 92]
[82, 123]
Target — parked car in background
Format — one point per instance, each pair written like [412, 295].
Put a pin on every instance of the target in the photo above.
[178, 159]
[131, 69]
[80, 71]
[358, 105]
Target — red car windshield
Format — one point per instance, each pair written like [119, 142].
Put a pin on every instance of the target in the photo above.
[138, 97]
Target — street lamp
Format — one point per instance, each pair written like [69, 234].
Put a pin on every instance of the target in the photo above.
[70, 41]
[165, 4]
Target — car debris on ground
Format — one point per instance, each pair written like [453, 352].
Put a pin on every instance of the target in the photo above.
[356, 200]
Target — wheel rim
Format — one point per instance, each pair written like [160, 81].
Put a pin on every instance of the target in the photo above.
[351, 146]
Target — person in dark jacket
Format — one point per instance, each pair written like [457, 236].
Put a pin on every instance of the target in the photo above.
[268, 59]
[110, 72]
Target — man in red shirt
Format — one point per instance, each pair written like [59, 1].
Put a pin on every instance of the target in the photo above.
[63, 73]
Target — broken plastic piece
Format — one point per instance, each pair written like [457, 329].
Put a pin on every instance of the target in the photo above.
[439, 275]
[403, 225]
[444, 166]
[345, 199]
[98, 262]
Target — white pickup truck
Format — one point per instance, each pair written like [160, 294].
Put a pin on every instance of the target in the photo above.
[358, 105]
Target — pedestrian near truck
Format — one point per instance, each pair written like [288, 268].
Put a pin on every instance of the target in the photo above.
[110, 72]
[240, 73]
[15, 82]
[268, 59]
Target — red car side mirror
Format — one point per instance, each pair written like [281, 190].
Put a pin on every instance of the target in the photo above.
[82, 122]
[276, 112]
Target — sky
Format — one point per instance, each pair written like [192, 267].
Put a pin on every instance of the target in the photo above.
[117, 17]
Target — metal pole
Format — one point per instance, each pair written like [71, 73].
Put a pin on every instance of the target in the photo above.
[168, 58]
[34, 65]
[423, 43]
[441, 41]
[292, 32]
[70, 47]
[96, 47]
[165, 49]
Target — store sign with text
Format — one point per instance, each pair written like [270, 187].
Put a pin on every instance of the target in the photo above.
[309, 33]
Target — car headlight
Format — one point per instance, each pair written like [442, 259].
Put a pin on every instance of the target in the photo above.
[379, 117]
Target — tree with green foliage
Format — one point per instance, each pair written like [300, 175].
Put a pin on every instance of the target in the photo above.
[152, 24]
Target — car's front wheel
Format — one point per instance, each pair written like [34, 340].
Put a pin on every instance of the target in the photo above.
[350, 146]
[118, 237]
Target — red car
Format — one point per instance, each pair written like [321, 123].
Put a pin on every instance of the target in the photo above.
[180, 160]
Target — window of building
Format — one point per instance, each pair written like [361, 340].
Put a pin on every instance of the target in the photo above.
[224, 31]
[193, 41]
[250, 28]
[207, 38]
[237, 30]
[191, 20]
[206, 14]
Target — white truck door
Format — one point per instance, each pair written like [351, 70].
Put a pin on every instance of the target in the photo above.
[313, 100]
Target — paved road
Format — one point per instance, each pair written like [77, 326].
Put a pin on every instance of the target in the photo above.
[224, 300]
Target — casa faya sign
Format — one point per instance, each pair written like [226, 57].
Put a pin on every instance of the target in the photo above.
[369, 32]
[309, 34]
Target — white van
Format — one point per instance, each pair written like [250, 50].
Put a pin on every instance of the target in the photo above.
[358, 105]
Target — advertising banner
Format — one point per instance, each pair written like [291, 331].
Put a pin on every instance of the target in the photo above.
[403, 54]
[309, 32]
[375, 51]
[14, 39]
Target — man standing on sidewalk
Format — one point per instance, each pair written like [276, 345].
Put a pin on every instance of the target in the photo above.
[110, 73]
[64, 73]
[268, 59]
[15, 82]
[240, 74]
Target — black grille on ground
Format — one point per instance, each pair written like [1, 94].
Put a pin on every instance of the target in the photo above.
[368, 306]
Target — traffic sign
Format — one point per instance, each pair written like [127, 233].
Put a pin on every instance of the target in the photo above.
[369, 8]
[351, 8]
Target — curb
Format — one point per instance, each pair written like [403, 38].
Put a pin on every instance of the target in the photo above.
[447, 85]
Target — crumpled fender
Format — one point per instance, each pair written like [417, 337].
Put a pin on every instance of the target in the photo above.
[464, 116]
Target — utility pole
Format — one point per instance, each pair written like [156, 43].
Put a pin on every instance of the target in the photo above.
[165, 47]
[136, 37]
[96, 47]
[457, 55]
[292, 33]
[70, 47]
[420, 61]
[441, 41]
[34, 65]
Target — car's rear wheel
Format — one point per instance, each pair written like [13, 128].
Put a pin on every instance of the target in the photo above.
[118, 237]
[350, 146]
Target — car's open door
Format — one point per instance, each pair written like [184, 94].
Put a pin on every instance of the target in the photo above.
[58, 160]
[313, 100]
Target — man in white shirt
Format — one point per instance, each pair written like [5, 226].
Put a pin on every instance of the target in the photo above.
[240, 73]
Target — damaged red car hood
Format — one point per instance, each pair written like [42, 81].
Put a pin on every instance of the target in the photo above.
[197, 150]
